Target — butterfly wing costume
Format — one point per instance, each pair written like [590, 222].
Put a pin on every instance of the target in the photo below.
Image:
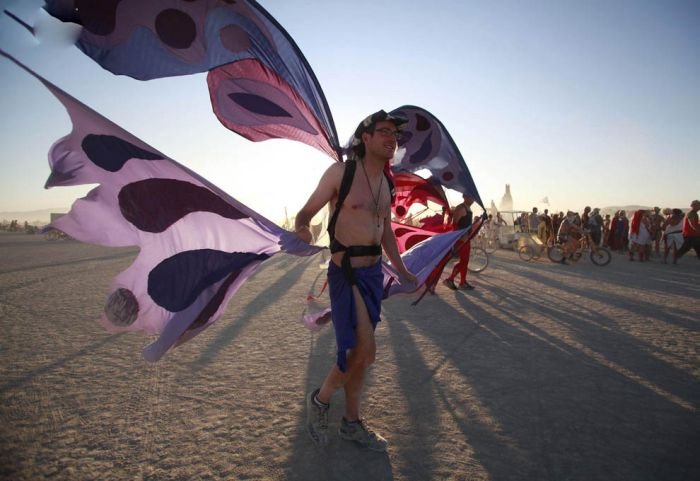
[197, 243]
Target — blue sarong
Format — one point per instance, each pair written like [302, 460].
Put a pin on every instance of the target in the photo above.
[369, 281]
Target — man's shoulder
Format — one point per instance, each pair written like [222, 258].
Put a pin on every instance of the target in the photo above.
[334, 172]
[337, 167]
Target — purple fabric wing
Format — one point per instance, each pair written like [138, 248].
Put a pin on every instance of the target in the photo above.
[197, 244]
[162, 38]
[421, 260]
[426, 144]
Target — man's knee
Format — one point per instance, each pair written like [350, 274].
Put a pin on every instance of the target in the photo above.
[363, 357]
[367, 360]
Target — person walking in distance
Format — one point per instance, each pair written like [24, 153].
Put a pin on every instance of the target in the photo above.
[673, 233]
[656, 220]
[691, 232]
[461, 220]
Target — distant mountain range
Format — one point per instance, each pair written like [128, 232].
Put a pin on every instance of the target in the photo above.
[33, 217]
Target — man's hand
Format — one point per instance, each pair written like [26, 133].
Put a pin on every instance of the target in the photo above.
[304, 233]
[410, 277]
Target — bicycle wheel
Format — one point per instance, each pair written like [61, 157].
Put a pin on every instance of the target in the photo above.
[478, 259]
[601, 256]
[490, 245]
[556, 253]
[526, 253]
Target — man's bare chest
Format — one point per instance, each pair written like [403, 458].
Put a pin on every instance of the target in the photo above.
[363, 197]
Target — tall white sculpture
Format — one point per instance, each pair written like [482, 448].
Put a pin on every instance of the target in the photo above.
[507, 200]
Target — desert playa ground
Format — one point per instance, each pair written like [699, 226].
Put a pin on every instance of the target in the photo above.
[544, 372]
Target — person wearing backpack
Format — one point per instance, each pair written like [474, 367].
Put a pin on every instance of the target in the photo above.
[359, 193]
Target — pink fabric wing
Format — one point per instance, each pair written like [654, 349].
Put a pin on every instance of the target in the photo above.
[408, 236]
[412, 189]
[255, 102]
[261, 84]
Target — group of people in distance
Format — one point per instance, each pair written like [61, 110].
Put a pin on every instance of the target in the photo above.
[646, 232]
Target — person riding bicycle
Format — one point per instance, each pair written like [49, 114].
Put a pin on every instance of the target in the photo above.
[569, 243]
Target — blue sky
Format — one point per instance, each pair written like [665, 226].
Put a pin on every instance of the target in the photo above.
[584, 102]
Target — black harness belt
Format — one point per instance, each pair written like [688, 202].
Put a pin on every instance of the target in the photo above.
[353, 251]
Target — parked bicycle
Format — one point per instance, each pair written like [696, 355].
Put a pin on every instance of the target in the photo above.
[478, 259]
[531, 247]
[487, 239]
[600, 256]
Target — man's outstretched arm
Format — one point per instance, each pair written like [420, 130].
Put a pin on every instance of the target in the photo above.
[392, 252]
[326, 190]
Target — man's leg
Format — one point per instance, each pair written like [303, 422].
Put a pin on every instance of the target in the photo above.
[696, 246]
[352, 426]
[359, 358]
[687, 244]
[450, 281]
[464, 260]
[657, 244]
[457, 269]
